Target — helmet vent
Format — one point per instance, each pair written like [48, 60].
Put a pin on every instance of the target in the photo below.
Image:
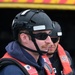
[16, 17]
[31, 21]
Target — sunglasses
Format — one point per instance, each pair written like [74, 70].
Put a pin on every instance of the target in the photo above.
[54, 40]
[41, 36]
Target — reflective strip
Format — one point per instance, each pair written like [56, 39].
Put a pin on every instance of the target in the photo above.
[41, 1]
[40, 27]
[59, 33]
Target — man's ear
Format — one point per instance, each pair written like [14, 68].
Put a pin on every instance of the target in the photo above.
[23, 37]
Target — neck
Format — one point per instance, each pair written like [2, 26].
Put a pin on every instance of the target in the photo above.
[35, 55]
[50, 55]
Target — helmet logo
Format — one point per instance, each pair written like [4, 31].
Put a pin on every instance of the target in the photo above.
[40, 27]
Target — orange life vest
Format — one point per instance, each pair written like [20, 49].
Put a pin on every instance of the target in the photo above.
[46, 59]
[30, 69]
[64, 61]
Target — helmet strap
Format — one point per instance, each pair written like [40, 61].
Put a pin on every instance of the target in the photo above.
[29, 48]
[34, 41]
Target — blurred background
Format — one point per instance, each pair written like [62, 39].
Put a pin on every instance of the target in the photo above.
[62, 11]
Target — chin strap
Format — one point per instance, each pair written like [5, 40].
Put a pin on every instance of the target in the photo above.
[31, 49]
[34, 41]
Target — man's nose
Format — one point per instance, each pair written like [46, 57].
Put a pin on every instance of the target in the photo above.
[48, 40]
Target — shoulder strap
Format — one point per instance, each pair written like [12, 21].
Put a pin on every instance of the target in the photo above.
[8, 61]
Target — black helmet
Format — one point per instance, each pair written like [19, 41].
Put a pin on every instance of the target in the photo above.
[31, 20]
[56, 32]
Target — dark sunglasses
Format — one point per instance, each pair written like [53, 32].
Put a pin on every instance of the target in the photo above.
[54, 40]
[41, 36]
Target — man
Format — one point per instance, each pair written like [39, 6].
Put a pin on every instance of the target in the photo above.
[60, 59]
[31, 29]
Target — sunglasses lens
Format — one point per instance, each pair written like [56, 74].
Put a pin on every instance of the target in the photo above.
[54, 40]
[41, 36]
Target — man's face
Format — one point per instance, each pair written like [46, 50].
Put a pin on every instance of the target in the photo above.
[43, 41]
[53, 47]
